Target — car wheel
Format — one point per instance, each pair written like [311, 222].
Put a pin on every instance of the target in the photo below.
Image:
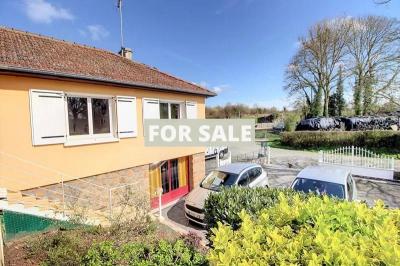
[221, 154]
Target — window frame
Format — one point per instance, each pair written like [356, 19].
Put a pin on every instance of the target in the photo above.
[91, 137]
[169, 102]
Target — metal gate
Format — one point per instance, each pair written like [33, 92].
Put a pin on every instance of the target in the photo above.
[360, 161]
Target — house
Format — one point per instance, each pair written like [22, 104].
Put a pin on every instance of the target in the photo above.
[266, 118]
[71, 112]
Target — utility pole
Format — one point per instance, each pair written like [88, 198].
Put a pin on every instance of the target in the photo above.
[119, 5]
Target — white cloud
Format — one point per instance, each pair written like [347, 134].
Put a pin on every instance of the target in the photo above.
[95, 32]
[220, 88]
[44, 12]
[217, 88]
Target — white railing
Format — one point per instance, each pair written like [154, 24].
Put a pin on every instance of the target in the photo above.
[360, 160]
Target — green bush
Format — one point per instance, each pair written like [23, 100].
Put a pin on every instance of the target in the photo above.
[321, 139]
[312, 231]
[290, 121]
[58, 248]
[225, 206]
[162, 253]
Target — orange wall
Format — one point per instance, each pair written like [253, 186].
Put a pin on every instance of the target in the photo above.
[74, 161]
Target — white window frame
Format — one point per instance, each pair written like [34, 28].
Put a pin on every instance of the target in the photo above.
[91, 137]
[169, 102]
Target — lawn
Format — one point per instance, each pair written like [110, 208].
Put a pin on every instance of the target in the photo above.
[274, 141]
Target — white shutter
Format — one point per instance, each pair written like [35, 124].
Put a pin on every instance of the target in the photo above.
[127, 117]
[191, 110]
[151, 109]
[47, 117]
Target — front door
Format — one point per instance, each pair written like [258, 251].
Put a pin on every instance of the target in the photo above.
[172, 177]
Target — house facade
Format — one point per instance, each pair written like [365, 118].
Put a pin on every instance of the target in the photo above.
[71, 112]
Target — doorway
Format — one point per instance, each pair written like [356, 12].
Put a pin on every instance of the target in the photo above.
[172, 176]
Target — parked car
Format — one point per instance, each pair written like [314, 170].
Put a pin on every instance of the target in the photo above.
[235, 174]
[326, 180]
[212, 152]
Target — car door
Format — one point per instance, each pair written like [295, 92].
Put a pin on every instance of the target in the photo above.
[255, 179]
[243, 179]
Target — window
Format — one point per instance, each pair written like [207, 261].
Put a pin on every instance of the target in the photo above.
[81, 119]
[244, 179]
[254, 173]
[78, 119]
[215, 180]
[319, 187]
[175, 111]
[164, 113]
[170, 110]
[89, 117]
[101, 116]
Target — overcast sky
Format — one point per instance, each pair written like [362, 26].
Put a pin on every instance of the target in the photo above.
[239, 48]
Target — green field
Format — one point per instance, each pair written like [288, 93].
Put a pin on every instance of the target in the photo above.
[274, 141]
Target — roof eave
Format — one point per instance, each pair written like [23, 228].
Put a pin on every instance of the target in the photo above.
[60, 75]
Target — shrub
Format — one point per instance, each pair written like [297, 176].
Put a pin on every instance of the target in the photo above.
[225, 206]
[161, 253]
[318, 139]
[103, 253]
[58, 248]
[311, 231]
[290, 121]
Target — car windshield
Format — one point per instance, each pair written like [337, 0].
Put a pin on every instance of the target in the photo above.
[215, 180]
[319, 187]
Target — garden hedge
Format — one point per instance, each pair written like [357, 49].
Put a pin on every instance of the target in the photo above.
[311, 231]
[322, 139]
[225, 206]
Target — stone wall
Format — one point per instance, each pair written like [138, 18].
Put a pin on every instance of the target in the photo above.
[197, 168]
[94, 191]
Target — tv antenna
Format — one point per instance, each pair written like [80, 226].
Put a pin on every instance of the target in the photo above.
[119, 5]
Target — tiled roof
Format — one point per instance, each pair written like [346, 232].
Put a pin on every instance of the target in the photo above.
[35, 54]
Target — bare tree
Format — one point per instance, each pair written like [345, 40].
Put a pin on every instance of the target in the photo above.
[374, 49]
[315, 67]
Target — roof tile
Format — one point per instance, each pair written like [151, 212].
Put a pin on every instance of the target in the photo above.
[21, 51]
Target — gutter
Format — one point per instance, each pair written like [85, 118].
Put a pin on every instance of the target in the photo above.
[88, 79]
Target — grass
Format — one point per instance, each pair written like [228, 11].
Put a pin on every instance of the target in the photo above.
[274, 141]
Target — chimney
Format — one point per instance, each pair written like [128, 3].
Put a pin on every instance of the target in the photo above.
[126, 52]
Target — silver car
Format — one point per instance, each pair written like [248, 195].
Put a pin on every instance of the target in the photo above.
[326, 180]
[235, 174]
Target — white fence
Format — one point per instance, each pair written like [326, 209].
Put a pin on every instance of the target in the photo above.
[360, 161]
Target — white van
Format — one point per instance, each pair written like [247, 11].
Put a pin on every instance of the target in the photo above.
[212, 152]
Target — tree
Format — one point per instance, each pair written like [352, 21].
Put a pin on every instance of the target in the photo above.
[357, 97]
[333, 105]
[340, 101]
[314, 68]
[374, 49]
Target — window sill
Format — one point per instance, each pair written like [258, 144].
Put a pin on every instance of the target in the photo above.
[76, 142]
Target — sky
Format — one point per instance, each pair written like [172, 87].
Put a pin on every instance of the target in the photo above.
[238, 48]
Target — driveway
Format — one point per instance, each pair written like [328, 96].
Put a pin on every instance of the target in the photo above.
[368, 190]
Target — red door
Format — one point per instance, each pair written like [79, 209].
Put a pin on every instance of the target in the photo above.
[170, 182]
